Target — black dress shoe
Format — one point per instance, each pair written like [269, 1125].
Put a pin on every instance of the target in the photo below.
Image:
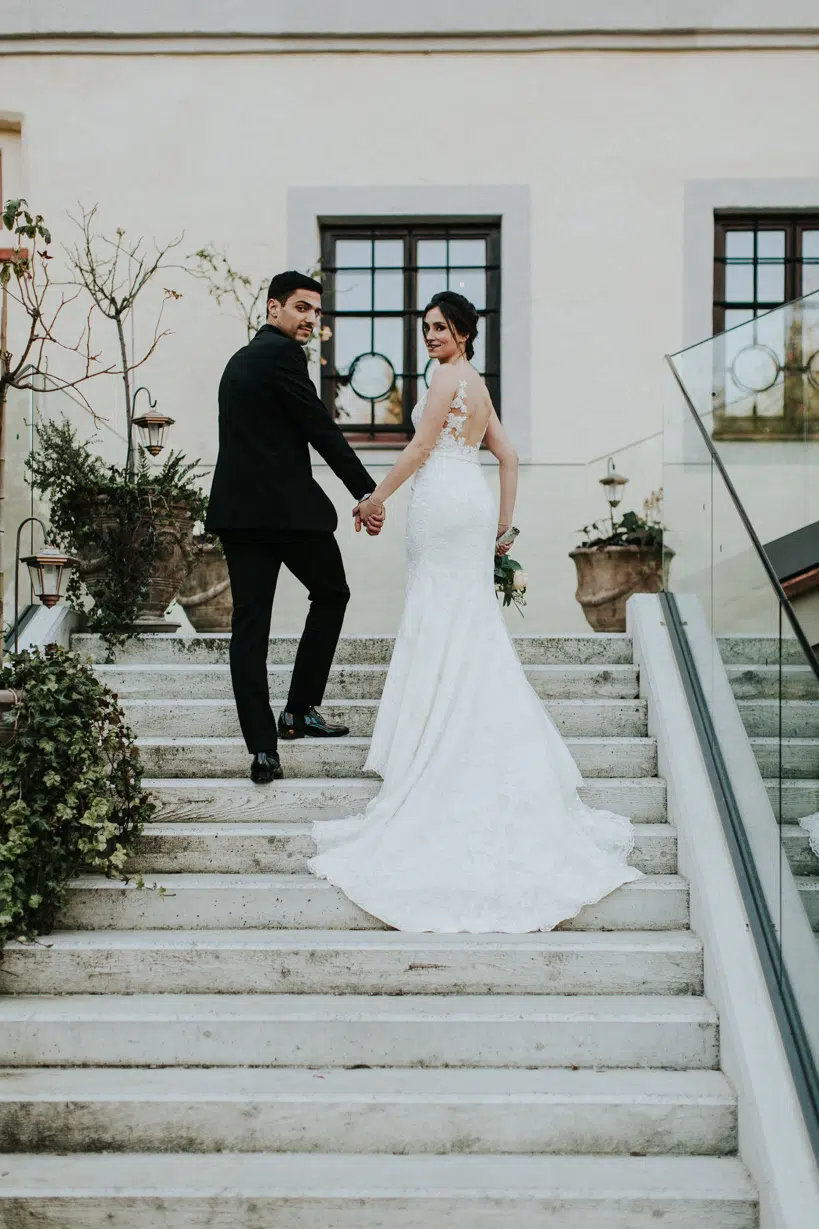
[310, 725]
[265, 767]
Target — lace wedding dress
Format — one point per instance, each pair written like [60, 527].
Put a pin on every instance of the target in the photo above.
[478, 826]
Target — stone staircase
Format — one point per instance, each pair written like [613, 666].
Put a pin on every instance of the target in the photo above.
[753, 667]
[258, 1051]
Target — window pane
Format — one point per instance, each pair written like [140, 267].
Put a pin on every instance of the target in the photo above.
[770, 244]
[470, 282]
[353, 292]
[467, 251]
[810, 252]
[351, 253]
[389, 291]
[391, 409]
[389, 340]
[389, 253]
[739, 243]
[352, 337]
[735, 316]
[350, 408]
[770, 283]
[431, 252]
[739, 283]
[429, 283]
[421, 355]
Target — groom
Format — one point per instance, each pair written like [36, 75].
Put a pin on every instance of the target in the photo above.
[268, 510]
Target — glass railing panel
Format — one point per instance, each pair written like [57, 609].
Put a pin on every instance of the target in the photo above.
[757, 673]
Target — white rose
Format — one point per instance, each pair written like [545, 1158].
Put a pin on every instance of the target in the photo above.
[520, 580]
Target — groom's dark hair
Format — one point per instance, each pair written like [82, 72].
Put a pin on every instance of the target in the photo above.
[284, 285]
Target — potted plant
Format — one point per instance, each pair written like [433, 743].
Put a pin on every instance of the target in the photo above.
[619, 558]
[132, 531]
[205, 594]
[71, 781]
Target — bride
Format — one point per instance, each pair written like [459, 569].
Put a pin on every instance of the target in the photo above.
[478, 825]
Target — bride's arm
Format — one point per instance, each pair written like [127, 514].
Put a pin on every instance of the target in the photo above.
[442, 390]
[499, 444]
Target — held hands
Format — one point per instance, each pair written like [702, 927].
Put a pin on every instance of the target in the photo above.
[371, 515]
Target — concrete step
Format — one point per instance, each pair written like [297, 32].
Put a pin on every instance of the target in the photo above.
[794, 798]
[170, 1030]
[296, 902]
[405, 1110]
[375, 962]
[771, 682]
[555, 682]
[770, 718]
[796, 846]
[211, 648]
[282, 848]
[752, 650]
[218, 719]
[220, 799]
[789, 757]
[345, 757]
[315, 1191]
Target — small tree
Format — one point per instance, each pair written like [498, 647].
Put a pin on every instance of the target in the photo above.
[247, 299]
[115, 272]
[26, 289]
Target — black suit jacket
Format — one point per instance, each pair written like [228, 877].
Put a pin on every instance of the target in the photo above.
[268, 415]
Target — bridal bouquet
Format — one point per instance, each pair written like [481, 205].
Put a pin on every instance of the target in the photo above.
[510, 581]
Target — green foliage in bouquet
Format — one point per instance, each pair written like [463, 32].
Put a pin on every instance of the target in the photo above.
[510, 581]
[71, 797]
[121, 519]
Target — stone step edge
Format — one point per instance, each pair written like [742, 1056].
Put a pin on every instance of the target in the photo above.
[295, 883]
[316, 1177]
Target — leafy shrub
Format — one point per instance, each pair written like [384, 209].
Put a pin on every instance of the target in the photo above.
[71, 797]
[137, 524]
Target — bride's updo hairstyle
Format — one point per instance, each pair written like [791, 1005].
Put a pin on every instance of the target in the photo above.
[459, 314]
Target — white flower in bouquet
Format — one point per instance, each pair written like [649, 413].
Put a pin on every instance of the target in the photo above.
[520, 580]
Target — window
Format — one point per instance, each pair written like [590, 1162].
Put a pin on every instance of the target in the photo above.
[377, 280]
[766, 379]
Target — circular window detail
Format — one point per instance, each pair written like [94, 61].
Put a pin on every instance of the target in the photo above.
[372, 376]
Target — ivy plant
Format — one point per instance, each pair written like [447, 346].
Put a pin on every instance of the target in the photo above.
[71, 796]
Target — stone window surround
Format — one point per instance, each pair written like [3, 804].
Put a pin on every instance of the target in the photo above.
[307, 206]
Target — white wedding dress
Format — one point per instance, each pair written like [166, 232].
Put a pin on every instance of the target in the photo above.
[478, 825]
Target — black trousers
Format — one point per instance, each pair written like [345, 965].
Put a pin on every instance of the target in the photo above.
[315, 560]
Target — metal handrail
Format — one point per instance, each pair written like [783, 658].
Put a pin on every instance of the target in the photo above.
[775, 582]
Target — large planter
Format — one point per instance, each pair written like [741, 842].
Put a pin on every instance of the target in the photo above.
[608, 575]
[205, 594]
[173, 555]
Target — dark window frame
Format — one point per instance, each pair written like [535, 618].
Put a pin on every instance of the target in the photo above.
[793, 222]
[410, 230]
[799, 418]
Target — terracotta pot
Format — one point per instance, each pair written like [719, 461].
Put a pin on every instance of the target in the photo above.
[205, 595]
[608, 575]
[174, 551]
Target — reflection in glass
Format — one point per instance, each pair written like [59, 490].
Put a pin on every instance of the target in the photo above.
[389, 291]
[431, 252]
[479, 361]
[353, 292]
[353, 253]
[389, 253]
[467, 252]
[471, 283]
[352, 336]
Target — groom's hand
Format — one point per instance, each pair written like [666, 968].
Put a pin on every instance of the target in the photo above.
[372, 516]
